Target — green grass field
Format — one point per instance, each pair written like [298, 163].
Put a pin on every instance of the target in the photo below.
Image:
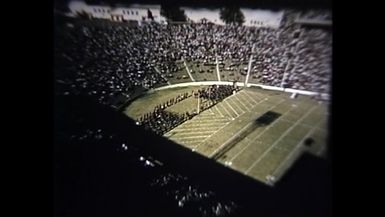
[147, 103]
[267, 150]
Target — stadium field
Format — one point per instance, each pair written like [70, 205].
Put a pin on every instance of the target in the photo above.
[259, 133]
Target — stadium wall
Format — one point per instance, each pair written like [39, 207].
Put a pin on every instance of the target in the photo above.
[136, 12]
[132, 12]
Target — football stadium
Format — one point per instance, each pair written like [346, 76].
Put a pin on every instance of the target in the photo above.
[254, 131]
[241, 90]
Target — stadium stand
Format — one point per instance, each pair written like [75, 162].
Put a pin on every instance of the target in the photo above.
[112, 62]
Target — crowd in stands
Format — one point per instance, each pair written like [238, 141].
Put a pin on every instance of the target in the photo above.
[110, 61]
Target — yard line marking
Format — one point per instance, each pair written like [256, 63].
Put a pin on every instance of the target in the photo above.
[262, 132]
[236, 113]
[211, 128]
[208, 119]
[187, 142]
[219, 111]
[212, 116]
[225, 143]
[237, 117]
[181, 134]
[190, 141]
[199, 127]
[205, 122]
[282, 149]
[240, 132]
[205, 118]
[214, 133]
[207, 114]
[206, 111]
[240, 102]
[193, 120]
[236, 105]
[186, 124]
[257, 95]
[193, 137]
[184, 139]
[225, 109]
[305, 125]
[210, 111]
[249, 97]
[279, 139]
[246, 101]
[299, 144]
[191, 134]
[252, 94]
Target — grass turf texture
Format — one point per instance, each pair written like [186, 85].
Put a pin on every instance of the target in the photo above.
[268, 150]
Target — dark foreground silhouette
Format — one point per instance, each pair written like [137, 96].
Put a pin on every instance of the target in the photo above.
[105, 165]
